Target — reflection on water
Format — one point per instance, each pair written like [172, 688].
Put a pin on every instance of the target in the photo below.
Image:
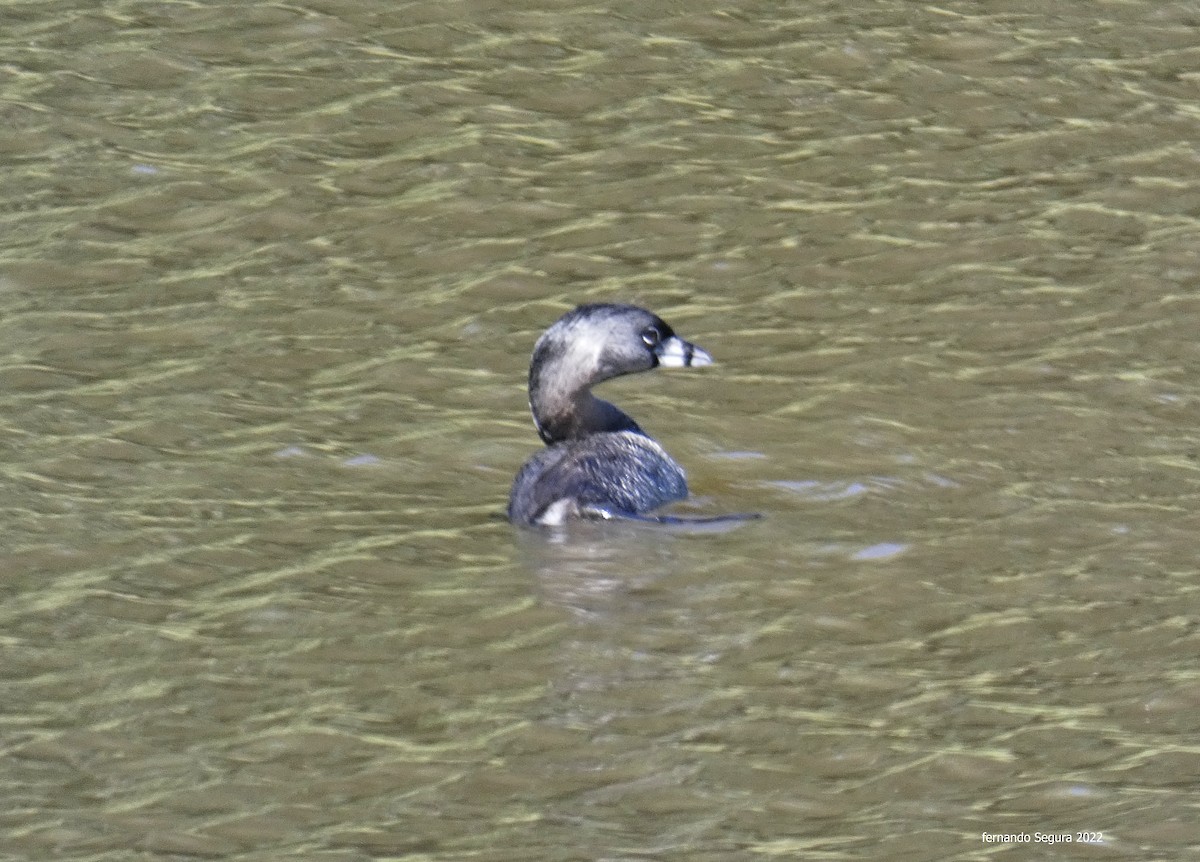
[269, 284]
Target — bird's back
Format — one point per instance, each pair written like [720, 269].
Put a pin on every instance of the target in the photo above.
[613, 473]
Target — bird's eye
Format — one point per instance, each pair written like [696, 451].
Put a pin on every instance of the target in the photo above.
[651, 336]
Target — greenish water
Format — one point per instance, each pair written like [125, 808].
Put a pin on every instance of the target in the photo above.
[269, 280]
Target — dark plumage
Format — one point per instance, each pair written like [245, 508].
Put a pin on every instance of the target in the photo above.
[598, 462]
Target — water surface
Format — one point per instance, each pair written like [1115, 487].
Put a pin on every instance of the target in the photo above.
[268, 286]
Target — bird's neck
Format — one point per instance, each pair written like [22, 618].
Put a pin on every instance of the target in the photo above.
[572, 416]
